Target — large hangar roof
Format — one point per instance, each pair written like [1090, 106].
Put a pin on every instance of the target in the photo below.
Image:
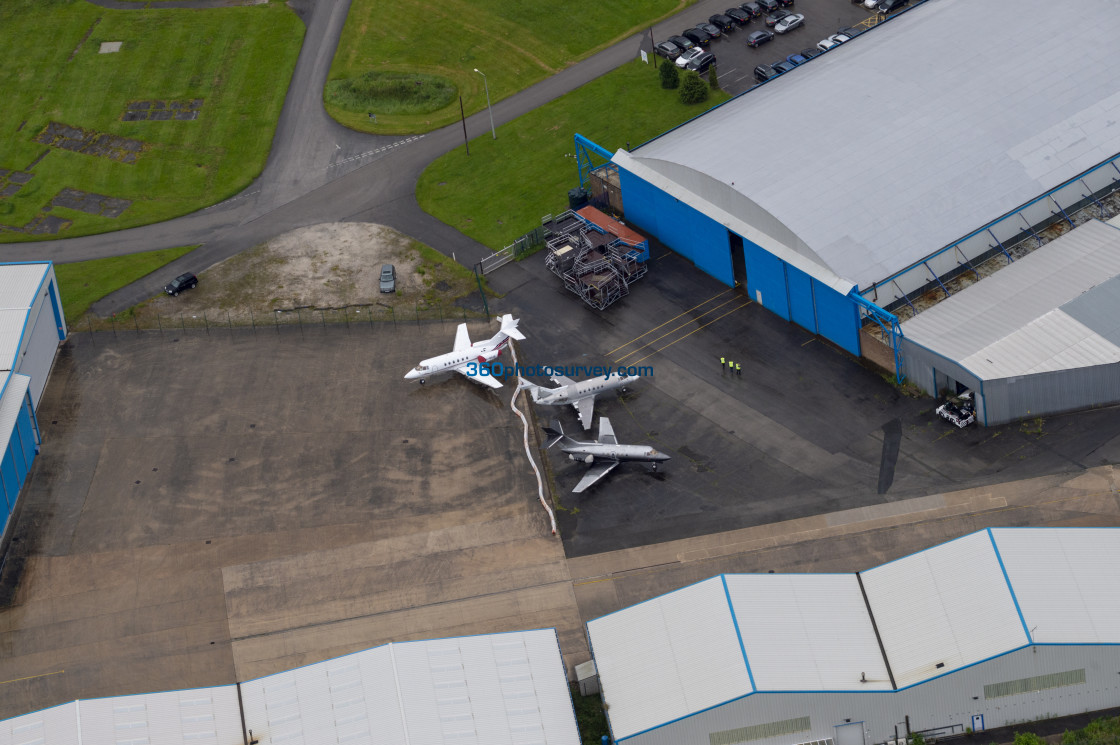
[925, 615]
[1057, 308]
[905, 139]
[19, 286]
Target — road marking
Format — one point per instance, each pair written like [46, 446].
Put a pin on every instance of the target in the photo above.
[234, 199]
[382, 149]
[30, 677]
[728, 72]
[713, 297]
[678, 328]
[690, 333]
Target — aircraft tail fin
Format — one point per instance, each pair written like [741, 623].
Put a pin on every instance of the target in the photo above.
[509, 328]
[534, 389]
[555, 432]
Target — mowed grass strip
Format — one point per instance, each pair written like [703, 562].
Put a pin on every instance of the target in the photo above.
[238, 60]
[516, 44]
[83, 283]
[503, 188]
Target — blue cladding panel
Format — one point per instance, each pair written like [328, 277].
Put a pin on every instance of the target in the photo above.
[11, 481]
[838, 317]
[766, 274]
[680, 227]
[801, 306]
[26, 432]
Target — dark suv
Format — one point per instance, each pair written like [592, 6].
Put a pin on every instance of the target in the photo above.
[701, 63]
[183, 282]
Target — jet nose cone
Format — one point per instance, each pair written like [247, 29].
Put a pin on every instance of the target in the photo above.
[410, 375]
[658, 455]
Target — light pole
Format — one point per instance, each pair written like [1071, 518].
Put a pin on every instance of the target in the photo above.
[487, 84]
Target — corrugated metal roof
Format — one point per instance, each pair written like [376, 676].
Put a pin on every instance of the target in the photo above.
[509, 688]
[14, 388]
[943, 609]
[19, 285]
[807, 632]
[1067, 582]
[936, 611]
[1055, 309]
[668, 657]
[908, 137]
[202, 716]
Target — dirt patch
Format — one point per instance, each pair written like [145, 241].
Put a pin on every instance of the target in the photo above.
[333, 265]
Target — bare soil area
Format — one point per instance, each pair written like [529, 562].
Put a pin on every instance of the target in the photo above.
[328, 266]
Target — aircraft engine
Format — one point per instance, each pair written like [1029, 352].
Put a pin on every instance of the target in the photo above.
[489, 355]
[589, 459]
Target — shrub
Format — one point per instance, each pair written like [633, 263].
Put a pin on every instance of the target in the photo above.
[713, 78]
[693, 89]
[670, 76]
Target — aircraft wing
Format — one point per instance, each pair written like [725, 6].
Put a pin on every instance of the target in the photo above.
[462, 339]
[586, 409]
[606, 432]
[597, 471]
[562, 380]
[489, 380]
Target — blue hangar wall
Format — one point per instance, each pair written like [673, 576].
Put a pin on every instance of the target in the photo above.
[22, 442]
[777, 286]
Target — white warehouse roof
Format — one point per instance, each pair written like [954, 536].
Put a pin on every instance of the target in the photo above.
[19, 286]
[201, 716]
[499, 688]
[1057, 308]
[948, 607]
[905, 139]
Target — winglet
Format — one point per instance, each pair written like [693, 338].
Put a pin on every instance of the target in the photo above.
[554, 431]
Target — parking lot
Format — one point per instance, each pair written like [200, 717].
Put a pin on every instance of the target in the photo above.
[735, 61]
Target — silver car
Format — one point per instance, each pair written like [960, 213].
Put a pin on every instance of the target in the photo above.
[388, 278]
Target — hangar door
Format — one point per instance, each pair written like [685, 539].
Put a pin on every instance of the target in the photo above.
[42, 344]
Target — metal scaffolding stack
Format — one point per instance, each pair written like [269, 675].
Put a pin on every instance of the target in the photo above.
[597, 266]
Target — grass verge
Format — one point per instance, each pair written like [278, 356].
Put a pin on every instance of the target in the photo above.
[515, 44]
[501, 190]
[591, 720]
[238, 61]
[83, 283]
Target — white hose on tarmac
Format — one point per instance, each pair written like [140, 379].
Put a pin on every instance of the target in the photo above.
[528, 452]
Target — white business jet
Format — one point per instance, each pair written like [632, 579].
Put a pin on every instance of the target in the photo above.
[580, 395]
[467, 359]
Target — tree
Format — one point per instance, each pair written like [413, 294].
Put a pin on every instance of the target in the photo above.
[670, 77]
[713, 79]
[693, 89]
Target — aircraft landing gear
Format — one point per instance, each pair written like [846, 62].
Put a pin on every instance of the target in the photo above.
[655, 468]
[422, 381]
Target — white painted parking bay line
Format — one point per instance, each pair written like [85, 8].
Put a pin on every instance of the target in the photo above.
[727, 73]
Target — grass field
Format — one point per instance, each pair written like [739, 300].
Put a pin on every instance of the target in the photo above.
[515, 43]
[83, 283]
[237, 60]
[500, 191]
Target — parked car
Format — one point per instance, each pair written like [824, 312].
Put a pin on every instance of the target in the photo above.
[777, 15]
[762, 73]
[871, 4]
[388, 278]
[668, 50]
[683, 42]
[782, 66]
[833, 41]
[183, 282]
[739, 15]
[786, 3]
[697, 36]
[890, 6]
[752, 7]
[701, 63]
[796, 59]
[809, 53]
[688, 56]
[769, 6]
[723, 22]
[710, 29]
[758, 38]
[789, 23]
[850, 32]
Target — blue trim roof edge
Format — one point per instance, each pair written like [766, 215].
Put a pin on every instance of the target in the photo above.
[1010, 588]
[738, 632]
